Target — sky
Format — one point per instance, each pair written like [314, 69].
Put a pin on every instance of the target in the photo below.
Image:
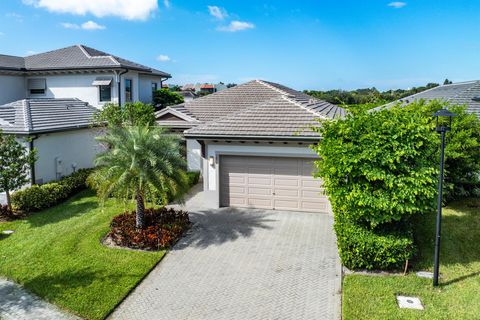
[302, 44]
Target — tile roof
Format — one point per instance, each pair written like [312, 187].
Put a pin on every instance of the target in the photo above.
[30, 116]
[257, 108]
[461, 93]
[73, 57]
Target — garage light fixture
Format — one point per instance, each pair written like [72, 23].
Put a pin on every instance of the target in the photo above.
[211, 161]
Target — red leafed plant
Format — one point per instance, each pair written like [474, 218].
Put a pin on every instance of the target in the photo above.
[163, 228]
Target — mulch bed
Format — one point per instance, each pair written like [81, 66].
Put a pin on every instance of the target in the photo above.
[8, 215]
[163, 228]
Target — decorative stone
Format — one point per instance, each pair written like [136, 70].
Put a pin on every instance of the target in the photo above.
[425, 274]
[409, 302]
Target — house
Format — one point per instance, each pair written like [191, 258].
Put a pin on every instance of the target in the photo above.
[59, 129]
[80, 72]
[187, 95]
[460, 93]
[252, 144]
[51, 97]
[204, 88]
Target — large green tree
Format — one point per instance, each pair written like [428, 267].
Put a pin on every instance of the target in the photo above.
[131, 114]
[141, 162]
[165, 97]
[15, 163]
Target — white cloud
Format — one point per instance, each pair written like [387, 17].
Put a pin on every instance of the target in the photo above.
[89, 25]
[31, 52]
[125, 9]
[397, 4]
[163, 58]
[235, 26]
[217, 12]
[166, 3]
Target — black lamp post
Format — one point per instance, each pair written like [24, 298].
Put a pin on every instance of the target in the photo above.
[442, 127]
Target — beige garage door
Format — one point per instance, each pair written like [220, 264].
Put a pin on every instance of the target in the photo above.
[270, 183]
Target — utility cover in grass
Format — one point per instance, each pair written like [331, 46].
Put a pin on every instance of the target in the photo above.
[409, 302]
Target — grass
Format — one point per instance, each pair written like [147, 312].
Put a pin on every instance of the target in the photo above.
[57, 254]
[373, 297]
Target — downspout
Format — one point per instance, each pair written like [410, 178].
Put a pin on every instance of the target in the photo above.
[119, 82]
[32, 166]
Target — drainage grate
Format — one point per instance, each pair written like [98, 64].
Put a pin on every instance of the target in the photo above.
[425, 274]
[8, 231]
[409, 302]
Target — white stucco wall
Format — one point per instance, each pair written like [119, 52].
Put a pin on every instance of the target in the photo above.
[78, 146]
[145, 87]
[12, 88]
[75, 86]
[279, 149]
[194, 155]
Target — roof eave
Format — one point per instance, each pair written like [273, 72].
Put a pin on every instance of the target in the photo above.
[251, 137]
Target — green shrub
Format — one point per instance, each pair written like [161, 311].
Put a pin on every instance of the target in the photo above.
[361, 247]
[193, 177]
[39, 197]
[379, 167]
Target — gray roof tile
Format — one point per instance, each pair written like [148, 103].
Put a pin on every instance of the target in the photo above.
[73, 57]
[31, 116]
[461, 93]
[258, 108]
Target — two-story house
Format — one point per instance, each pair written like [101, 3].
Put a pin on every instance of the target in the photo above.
[50, 98]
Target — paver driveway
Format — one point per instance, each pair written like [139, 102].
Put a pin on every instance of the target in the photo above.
[244, 264]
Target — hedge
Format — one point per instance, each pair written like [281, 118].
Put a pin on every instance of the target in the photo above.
[361, 247]
[39, 197]
[193, 177]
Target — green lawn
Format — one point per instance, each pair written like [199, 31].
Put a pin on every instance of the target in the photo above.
[57, 254]
[373, 297]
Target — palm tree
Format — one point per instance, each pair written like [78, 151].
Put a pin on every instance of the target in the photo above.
[140, 162]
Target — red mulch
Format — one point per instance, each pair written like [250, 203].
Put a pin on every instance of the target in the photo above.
[163, 228]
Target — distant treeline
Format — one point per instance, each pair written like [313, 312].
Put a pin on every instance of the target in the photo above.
[368, 96]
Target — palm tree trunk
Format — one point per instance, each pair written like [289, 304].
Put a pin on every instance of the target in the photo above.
[9, 202]
[140, 217]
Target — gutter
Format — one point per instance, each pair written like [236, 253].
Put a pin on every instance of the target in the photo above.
[119, 77]
[239, 138]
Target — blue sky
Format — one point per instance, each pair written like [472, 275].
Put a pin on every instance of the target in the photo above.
[302, 44]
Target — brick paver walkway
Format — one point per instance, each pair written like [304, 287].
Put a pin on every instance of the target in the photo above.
[18, 304]
[244, 264]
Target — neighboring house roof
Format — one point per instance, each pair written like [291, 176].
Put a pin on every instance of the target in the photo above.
[73, 58]
[461, 93]
[255, 108]
[207, 86]
[187, 93]
[30, 116]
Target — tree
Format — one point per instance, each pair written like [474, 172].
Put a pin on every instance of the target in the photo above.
[447, 82]
[141, 163]
[136, 113]
[231, 85]
[15, 163]
[164, 97]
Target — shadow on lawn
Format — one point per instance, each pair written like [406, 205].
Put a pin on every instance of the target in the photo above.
[58, 285]
[459, 240]
[73, 207]
[214, 227]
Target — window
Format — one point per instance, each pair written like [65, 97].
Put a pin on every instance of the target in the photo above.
[37, 86]
[154, 87]
[105, 93]
[128, 90]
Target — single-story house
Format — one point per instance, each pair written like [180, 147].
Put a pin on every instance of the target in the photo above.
[59, 129]
[460, 93]
[252, 144]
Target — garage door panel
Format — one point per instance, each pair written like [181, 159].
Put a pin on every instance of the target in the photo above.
[259, 191]
[286, 192]
[270, 183]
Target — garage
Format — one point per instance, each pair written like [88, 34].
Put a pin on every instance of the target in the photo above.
[278, 183]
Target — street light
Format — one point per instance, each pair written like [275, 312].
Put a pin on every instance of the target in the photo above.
[442, 127]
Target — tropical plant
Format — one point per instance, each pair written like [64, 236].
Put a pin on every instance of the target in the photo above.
[140, 163]
[131, 114]
[15, 164]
